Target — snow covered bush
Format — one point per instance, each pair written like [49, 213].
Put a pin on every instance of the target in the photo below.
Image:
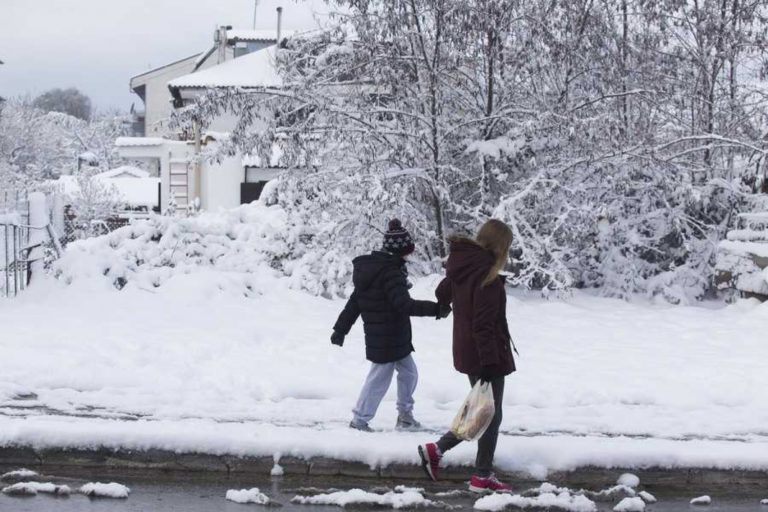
[241, 245]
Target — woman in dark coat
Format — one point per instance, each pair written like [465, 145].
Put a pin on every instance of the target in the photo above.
[481, 341]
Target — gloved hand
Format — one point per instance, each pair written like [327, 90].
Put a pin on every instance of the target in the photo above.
[443, 310]
[337, 338]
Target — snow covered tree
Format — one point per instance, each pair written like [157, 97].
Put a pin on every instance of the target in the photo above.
[618, 139]
[36, 146]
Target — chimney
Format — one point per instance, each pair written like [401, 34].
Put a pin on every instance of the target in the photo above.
[279, 23]
[220, 37]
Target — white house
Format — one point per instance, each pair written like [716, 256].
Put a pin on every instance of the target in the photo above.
[152, 86]
[243, 59]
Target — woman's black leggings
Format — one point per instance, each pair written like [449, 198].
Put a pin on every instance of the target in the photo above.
[486, 445]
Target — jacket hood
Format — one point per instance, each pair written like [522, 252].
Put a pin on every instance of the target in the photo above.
[366, 268]
[466, 260]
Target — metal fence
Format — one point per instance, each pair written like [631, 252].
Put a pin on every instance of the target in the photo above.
[19, 250]
[14, 259]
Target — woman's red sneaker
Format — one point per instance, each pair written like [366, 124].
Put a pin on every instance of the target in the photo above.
[490, 484]
[430, 459]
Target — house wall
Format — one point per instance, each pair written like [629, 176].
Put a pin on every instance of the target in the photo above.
[221, 183]
[158, 100]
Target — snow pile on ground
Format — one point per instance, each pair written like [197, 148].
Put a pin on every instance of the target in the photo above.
[630, 505]
[562, 500]
[253, 495]
[100, 490]
[701, 500]
[764, 502]
[612, 493]
[235, 246]
[647, 497]
[629, 480]
[18, 475]
[600, 382]
[32, 488]
[396, 500]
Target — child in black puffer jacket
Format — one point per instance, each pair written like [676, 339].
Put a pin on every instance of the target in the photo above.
[381, 297]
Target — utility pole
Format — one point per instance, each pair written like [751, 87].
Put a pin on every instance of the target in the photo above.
[255, 8]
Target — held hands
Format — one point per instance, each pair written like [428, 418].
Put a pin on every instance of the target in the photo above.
[337, 338]
[443, 310]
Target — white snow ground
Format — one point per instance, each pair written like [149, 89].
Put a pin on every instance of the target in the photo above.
[202, 367]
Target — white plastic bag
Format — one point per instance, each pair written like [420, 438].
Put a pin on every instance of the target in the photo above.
[476, 413]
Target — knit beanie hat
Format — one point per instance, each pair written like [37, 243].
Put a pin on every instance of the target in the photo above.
[397, 240]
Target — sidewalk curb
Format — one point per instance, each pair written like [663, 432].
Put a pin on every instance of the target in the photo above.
[163, 461]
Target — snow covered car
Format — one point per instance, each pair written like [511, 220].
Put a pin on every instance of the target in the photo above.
[742, 259]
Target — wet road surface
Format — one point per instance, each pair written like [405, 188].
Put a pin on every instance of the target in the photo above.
[190, 493]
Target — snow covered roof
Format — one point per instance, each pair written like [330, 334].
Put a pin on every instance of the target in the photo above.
[255, 69]
[124, 171]
[248, 35]
[139, 141]
[134, 190]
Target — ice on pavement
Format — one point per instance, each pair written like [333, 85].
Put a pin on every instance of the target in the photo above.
[18, 474]
[253, 495]
[32, 488]
[630, 505]
[561, 501]
[612, 493]
[701, 500]
[100, 490]
[395, 500]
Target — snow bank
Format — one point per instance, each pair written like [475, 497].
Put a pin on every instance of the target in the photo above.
[647, 497]
[561, 501]
[630, 505]
[253, 495]
[396, 500]
[204, 371]
[701, 500]
[100, 490]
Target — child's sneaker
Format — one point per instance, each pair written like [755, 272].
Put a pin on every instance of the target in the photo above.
[430, 459]
[362, 427]
[407, 422]
[490, 484]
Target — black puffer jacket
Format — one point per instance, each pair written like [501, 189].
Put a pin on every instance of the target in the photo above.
[381, 297]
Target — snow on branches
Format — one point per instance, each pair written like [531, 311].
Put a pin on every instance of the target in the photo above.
[617, 139]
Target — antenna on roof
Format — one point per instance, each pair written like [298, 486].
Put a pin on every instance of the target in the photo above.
[255, 8]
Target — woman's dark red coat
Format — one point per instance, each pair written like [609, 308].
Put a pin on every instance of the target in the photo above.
[481, 340]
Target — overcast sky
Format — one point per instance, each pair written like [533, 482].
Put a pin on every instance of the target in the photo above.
[98, 45]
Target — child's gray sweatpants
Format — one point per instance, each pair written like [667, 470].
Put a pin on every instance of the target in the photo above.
[376, 386]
